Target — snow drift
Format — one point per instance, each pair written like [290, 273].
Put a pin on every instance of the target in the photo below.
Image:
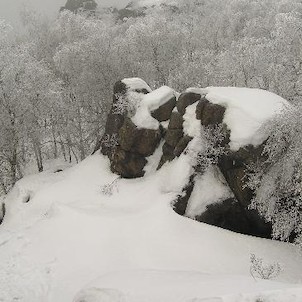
[71, 234]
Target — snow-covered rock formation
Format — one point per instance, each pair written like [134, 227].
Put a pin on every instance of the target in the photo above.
[85, 234]
[174, 124]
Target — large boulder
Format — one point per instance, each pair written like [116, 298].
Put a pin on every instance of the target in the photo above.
[129, 157]
[122, 142]
[232, 214]
[133, 130]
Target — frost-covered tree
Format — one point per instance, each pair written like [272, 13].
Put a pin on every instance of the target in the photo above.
[277, 180]
[192, 43]
[28, 91]
[86, 66]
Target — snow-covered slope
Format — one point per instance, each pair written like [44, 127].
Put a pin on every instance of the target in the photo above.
[71, 242]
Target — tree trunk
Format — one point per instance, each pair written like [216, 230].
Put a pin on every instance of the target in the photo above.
[62, 147]
[38, 154]
[55, 145]
[80, 129]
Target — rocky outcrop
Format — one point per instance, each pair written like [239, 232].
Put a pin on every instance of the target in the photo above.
[175, 139]
[233, 166]
[128, 147]
[134, 145]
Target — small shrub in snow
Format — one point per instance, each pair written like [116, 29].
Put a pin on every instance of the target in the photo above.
[110, 188]
[262, 270]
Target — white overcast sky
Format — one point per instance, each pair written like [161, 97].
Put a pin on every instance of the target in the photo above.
[9, 9]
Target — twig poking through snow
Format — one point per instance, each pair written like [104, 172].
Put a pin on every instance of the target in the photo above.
[109, 189]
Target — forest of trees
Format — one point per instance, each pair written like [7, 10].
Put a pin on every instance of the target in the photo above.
[56, 77]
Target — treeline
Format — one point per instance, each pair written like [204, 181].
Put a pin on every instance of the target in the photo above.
[56, 79]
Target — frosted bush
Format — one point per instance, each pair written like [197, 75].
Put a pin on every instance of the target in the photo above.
[259, 269]
[211, 146]
[277, 179]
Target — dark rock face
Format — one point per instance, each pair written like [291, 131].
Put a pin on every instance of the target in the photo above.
[114, 121]
[126, 145]
[208, 113]
[168, 155]
[141, 141]
[163, 113]
[127, 164]
[230, 215]
[233, 166]
[182, 145]
[129, 157]
[176, 121]
[186, 99]
[174, 139]
[173, 136]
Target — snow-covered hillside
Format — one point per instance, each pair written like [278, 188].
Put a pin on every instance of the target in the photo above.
[73, 242]
[86, 235]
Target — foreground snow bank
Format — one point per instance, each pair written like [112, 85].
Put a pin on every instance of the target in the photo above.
[179, 286]
[246, 111]
[70, 234]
